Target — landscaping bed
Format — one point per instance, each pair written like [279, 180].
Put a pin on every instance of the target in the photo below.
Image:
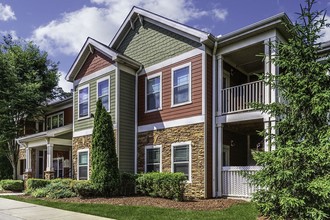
[200, 204]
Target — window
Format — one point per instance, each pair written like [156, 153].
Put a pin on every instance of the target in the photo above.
[181, 158]
[83, 100]
[55, 121]
[83, 165]
[103, 92]
[153, 93]
[181, 85]
[153, 158]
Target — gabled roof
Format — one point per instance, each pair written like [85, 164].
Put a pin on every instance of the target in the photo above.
[275, 21]
[89, 46]
[142, 14]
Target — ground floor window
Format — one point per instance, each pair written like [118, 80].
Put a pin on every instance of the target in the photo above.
[153, 158]
[83, 165]
[181, 158]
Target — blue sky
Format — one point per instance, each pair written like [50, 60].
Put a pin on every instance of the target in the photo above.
[61, 27]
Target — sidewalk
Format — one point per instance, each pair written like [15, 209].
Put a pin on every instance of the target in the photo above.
[15, 210]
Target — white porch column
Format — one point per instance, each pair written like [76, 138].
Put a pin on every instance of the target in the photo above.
[28, 160]
[220, 85]
[50, 157]
[220, 158]
[269, 127]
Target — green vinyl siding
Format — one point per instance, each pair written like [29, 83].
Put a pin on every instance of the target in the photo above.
[126, 122]
[89, 122]
[152, 44]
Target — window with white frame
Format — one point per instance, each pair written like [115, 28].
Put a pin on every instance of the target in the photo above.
[83, 165]
[55, 121]
[181, 158]
[83, 102]
[153, 158]
[181, 85]
[103, 91]
[153, 92]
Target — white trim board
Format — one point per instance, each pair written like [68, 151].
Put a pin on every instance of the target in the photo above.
[171, 124]
[85, 132]
[172, 61]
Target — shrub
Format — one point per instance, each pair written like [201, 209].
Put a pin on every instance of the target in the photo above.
[32, 184]
[39, 192]
[84, 188]
[65, 181]
[165, 185]
[12, 185]
[128, 182]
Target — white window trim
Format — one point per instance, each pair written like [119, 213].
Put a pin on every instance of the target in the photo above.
[172, 155]
[80, 151]
[172, 88]
[97, 89]
[51, 120]
[160, 92]
[88, 102]
[160, 156]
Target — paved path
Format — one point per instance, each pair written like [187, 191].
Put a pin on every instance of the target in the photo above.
[15, 210]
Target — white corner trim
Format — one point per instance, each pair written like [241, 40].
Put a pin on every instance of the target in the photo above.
[171, 124]
[172, 61]
[95, 74]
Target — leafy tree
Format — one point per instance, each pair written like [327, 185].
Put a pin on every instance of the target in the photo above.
[295, 178]
[27, 80]
[105, 172]
[6, 169]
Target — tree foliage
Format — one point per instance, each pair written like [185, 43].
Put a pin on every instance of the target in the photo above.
[105, 172]
[295, 178]
[27, 80]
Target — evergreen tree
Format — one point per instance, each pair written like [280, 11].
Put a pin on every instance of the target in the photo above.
[105, 173]
[295, 179]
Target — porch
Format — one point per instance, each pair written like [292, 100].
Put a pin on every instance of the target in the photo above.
[47, 154]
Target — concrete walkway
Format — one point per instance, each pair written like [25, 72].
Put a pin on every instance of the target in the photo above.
[15, 210]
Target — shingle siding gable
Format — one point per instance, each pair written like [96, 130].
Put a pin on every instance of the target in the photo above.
[150, 44]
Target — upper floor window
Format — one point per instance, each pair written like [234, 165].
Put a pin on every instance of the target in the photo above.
[153, 158]
[55, 121]
[181, 85]
[83, 101]
[181, 158]
[153, 93]
[103, 92]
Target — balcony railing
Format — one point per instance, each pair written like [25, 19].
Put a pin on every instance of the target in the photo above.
[239, 98]
[234, 183]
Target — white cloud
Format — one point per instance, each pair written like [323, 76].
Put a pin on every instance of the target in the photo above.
[220, 14]
[12, 33]
[67, 34]
[66, 86]
[326, 31]
[6, 13]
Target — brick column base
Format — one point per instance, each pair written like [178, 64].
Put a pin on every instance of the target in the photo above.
[49, 175]
[26, 176]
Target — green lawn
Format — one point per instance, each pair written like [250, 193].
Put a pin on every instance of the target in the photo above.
[242, 211]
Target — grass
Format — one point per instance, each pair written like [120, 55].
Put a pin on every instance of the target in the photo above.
[244, 211]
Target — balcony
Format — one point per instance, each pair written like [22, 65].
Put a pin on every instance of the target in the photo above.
[239, 98]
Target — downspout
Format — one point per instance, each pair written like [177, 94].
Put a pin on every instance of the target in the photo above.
[215, 172]
[136, 117]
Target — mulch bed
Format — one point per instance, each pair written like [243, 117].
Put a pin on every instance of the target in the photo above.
[203, 204]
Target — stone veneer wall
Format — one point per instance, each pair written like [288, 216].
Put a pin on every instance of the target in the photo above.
[166, 137]
[80, 143]
[21, 154]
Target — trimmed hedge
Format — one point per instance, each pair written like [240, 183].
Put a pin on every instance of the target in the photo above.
[165, 185]
[84, 188]
[32, 183]
[12, 185]
[128, 182]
